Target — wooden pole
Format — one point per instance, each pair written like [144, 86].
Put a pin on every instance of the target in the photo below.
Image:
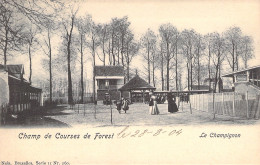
[214, 114]
[247, 110]
[199, 102]
[84, 108]
[95, 110]
[223, 112]
[233, 104]
[190, 104]
[110, 102]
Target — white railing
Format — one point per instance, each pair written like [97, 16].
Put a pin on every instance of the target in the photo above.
[104, 87]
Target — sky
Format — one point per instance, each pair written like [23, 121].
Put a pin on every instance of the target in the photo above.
[203, 16]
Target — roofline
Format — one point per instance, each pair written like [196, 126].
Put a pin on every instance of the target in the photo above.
[137, 88]
[109, 77]
[108, 65]
[239, 71]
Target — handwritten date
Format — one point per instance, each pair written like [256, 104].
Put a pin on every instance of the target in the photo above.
[126, 132]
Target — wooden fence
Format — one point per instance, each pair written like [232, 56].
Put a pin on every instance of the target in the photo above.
[244, 105]
[3, 113]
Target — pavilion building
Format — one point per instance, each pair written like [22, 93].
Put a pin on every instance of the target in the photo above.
[246, 80]
[137, 89]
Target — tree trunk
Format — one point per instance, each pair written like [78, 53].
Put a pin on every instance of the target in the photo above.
[128, 62]
[109, 53]
[191, 75]
[148, 62]
[191, 80]
[176, 70]
[188, 70]
[162, 70]
[103, 44]
[94, 64]
[114, 58]
[167, 66]
[233, 59]
[50, 65]
[81, 61]
[198, 69]
[216, 75]
[167, 74]
[70, 96]
[122, 51]
[209, 66]
[118, 51]
[30, 61]
[5, 47]
[153, 72]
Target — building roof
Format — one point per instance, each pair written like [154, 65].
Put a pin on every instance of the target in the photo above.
[242, 70]
[109, 70]
[136, 83]
[14, 69]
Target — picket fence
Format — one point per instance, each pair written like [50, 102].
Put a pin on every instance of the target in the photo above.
[244, 105]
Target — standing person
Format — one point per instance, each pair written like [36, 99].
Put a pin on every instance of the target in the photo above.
[125, 105]
[172, 107]
[150, 102]
[155, 110]
[119, 104]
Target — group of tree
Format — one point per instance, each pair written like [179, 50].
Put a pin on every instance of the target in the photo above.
[26, 26]
[170, 50]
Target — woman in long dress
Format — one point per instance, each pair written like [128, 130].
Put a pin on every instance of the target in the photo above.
[154, 110]
[172, 107]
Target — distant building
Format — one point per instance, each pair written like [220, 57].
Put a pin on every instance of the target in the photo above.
[246, 80]
[207, 86]
[108, 80]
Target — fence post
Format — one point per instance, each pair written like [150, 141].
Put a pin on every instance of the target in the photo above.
[203, 102]
[214, 106]
[258, 108]
[190, 104]
[223, 112]
[234, 104]
[247, 110]
[182, 105]
[84, 108]
[199, 102]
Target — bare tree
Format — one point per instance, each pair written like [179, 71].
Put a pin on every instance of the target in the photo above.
[94, 43]
[246, 49]
[132, 48]
[83, 26]
[199, 45]
[29, 37]
[169, 35]
[68, 26]
[187, 40]
[209, 38]
[148, 41]
[11, 31]
[219, 50]
[233, 38]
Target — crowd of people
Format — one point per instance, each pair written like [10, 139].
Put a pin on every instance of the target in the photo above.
[123, 104]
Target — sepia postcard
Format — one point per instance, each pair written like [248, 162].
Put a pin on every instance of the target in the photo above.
[129, 82]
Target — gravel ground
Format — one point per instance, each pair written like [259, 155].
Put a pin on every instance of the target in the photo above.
[138, 115]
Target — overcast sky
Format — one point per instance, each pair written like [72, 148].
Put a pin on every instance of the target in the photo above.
[203, 16]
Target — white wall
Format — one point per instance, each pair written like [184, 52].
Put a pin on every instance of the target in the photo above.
[4, 88]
